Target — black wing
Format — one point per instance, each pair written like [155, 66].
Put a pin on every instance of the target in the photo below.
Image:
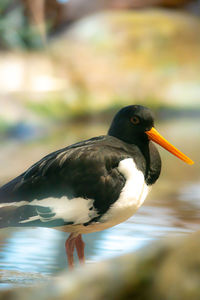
[87, 170]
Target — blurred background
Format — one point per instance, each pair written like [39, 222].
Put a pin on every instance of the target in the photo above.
[66, 67]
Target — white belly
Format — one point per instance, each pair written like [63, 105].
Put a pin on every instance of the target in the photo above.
[131, 198]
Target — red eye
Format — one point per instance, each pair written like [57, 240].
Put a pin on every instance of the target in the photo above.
[135, 120]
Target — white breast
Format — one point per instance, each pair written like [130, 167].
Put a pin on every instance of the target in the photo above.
[131, 197]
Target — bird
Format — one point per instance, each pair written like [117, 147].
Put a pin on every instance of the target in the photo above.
[91, 185]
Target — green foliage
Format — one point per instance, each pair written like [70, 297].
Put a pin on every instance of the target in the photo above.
[4, 126]
[51, 108]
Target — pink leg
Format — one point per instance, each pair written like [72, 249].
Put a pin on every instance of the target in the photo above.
[80, 245]
[69, 246]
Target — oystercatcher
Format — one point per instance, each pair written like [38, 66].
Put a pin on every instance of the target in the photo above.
[91, 185]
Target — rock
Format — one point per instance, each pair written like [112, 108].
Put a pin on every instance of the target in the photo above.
[165, 270]
[179, 275]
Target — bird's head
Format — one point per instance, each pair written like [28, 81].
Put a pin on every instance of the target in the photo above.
[134, 124]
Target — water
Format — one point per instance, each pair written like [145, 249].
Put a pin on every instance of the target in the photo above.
[32, 255]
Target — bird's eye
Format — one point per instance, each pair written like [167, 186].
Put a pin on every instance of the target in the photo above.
[135, 120]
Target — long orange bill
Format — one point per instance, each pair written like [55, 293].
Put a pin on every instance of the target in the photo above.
[155, 136]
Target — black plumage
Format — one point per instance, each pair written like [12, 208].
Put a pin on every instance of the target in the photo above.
[87, 169]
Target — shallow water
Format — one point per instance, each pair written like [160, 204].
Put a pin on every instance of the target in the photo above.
[172, 208]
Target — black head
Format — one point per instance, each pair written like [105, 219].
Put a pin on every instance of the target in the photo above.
[131, 122]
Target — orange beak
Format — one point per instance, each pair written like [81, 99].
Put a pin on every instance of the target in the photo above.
[157, 138]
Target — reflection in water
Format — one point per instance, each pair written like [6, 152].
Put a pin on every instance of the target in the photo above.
[30, 250]
[30, 255]
[147, 225]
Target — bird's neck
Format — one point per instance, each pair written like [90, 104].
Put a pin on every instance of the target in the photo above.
[153, 163]
[149, 153]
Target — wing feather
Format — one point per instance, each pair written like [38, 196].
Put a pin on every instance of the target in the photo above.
[86, 170]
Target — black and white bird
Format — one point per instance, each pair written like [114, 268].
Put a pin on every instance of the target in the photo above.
[91, 185]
